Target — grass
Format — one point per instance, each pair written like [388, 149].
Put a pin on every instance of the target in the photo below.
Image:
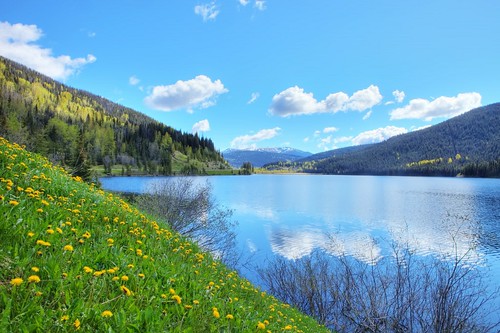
[75, 258]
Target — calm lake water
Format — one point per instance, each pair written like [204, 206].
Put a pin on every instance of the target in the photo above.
[362, 216]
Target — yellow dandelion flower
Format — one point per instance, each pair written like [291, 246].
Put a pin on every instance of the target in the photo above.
[86, 235]
[107, 314]
[64, 275]
[177, 299]
[34, 279]
[38, 294]
[130, 266]
[13, 202]
[261, 326]
[59, 230]
[68, 248]
[126, 291]
[229, 316]
[124, 278]
[77, 324]
[87, 269]
[215, 313]
[16, 281]
[39, 210]
[142, 276]
[64, 318]
[171, 291]
[35, 269]
[196, 302]
[31, 234]
[99, 273]
[50, 231]
[288, 327]
[115, 278]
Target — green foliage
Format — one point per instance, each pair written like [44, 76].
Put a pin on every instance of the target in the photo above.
[47, 117]
[73, 257]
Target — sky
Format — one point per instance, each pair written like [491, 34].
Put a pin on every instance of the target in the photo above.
[313, 75]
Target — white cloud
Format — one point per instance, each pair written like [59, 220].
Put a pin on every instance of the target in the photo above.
[399, 96]
[254, 97]
[294, 101]
[330, 129]
[378, 135]
[306, 139]
[133, 80]
[17, 42]
[201, 126]
[208, 11]
[249, 141]
[317, 133]
[244, 2]
[367, 115]
[441, 107]
[260, 5]
[198, 92]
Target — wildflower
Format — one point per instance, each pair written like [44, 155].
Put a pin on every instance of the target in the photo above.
[126, 291]
[38, 294]
[86, 235]
[13, 202]
[130, 266]
[177, 298]
[35, 269]
[124, 278]
[163, 296]
[188, 307]
[68, 248]
[110, 241]
[39, 210]
[215, 312]
[59, 230]
[45, 203]
[288, 327]
[64, 275]
[16, 281]
[142, 276]
[31, 234]
[64, 318]
[261, 326]
[229, 316]
[77, 324]
[50, 231]
[171, 291]
[42, 242]
[107, 314]
[34, 279]
[87, 269]
[196, 302]
[99, 273]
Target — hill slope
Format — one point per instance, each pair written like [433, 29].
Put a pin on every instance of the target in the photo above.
[79, 130]
[468, 144]
[73, 257]
[262, 156]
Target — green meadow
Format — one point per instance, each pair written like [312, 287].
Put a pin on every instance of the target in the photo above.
[75, 258]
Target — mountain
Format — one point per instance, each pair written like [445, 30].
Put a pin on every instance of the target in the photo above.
[79, 130]
[260, 156]
[468, 144]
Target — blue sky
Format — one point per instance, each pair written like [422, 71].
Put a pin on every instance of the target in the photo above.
[313, 75]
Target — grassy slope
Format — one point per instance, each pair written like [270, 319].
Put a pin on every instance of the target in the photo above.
[73, 257]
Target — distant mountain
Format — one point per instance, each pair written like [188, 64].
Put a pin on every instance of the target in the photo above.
[261, 156]
[468, 144]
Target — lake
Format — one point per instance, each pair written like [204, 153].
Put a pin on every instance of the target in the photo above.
[361, 216]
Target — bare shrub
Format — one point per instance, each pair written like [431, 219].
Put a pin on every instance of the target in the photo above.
[403, 293]
[191, 210]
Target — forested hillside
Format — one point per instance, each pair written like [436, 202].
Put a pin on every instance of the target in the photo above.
[467, 145]
[79, 130]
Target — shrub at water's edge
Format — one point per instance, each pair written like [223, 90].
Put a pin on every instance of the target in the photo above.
[73, 257]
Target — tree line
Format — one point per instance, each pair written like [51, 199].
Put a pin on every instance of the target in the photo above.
[78, 129]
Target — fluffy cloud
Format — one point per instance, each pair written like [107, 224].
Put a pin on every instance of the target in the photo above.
[294, 101]
[17, 42]
[260, 5]
[198, 92]
[249, 141]
[133, 80]
[201, 126]
[208, 11]
[399, 96]
[254, 97]
[244, 2]
[441, 107]
[330, 129]
[377, 135]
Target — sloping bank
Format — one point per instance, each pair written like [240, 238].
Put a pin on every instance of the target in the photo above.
[73, 257]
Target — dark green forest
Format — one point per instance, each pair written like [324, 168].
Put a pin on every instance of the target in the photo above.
[79, 130]
[467, 145]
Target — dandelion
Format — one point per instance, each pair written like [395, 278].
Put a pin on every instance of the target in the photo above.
[107, 314]
[35, 269]
[16, 281]
[50, 231]
[261, 326]
[171, 291]
[177, 299]
[288, 327]
[31, 234]
[215, 313]
[126, 291]
[87, 269]
[64, 275]
[163, 296]
[38, 294]
[86, 235]
[68, 248]
[77, 324]
[64, 318]
[124, 278]
[39, 210]
[142, 276]
[229, 316]
[13, 202]
[34, 279]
